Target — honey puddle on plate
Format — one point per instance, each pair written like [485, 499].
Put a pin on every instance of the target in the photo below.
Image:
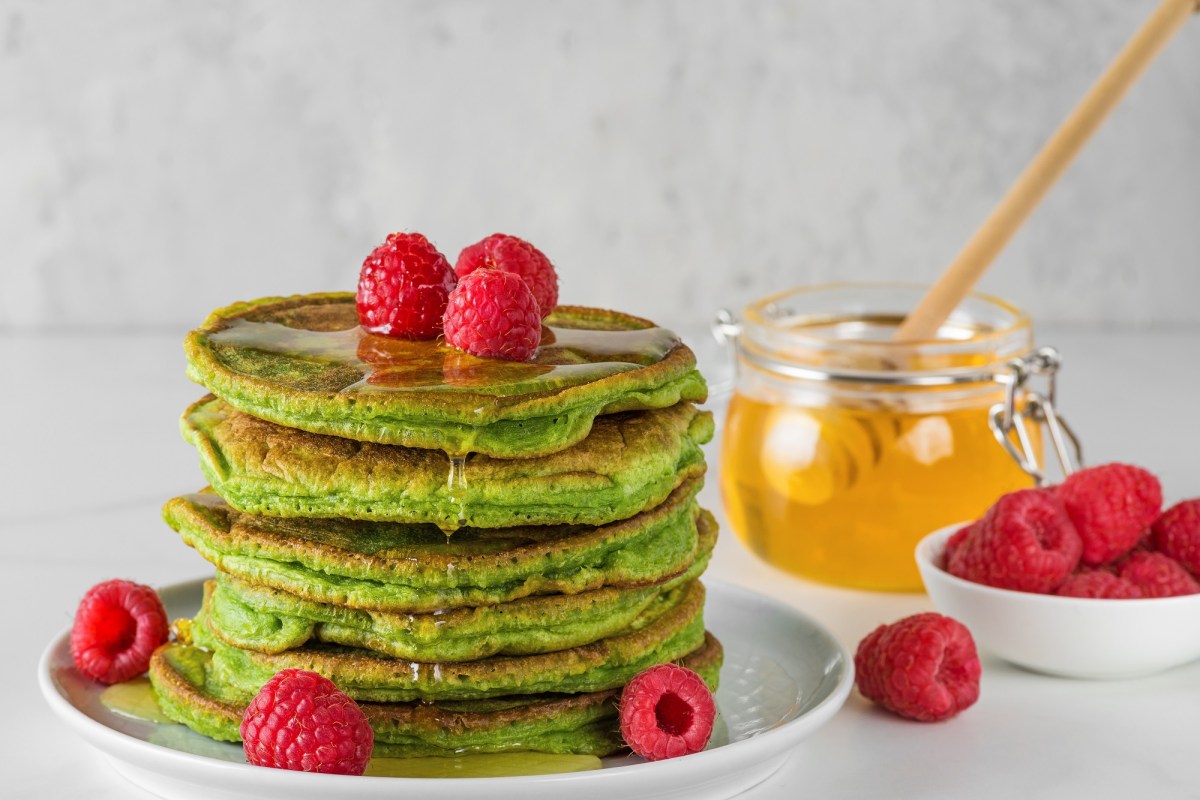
[481, 765]
[134, 699]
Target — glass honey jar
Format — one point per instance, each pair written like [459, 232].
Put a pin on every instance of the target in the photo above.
[842, 448]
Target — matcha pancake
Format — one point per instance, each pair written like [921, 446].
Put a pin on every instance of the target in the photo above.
[304, 362]
[270, 621]
[189, 692]
[393, 566]
[666, 630]
[628, 463]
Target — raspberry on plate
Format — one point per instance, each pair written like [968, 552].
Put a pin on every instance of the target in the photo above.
[1158, 575]
[117, 627]
[924, 667]
[514, 255]
[1099, 583]
[1024, 542]
[1111, 506]
[667, 711]
[403, 287]
[1177, 534]
[493, 314]
[299, 720]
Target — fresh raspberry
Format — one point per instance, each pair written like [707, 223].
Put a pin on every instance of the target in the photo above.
[1157, 575]
[1024, 542]
[117, 627]
[513, 255]
[493, 314]
[924, 667]
[1177, 534]
[403, 287]
[299, 720]
[667, 711]
[1111, 506]
[1099, 583]
[956, 539]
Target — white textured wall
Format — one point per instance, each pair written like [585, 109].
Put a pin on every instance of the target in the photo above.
[158, 159]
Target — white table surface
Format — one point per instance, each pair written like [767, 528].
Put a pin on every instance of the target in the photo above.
[89, 450]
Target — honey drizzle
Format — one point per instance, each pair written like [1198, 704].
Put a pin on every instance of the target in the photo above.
[566, 357]
[456, 488]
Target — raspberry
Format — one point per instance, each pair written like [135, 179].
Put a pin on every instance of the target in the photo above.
[924, 667]
[952, 544]
[517, 256]
[1024, 542]
[1158, 575]
[117, 627]
[403, 287]
[299, 720]
[493, 314]
[667, 711]
[1111, 506]
[1177, 534]
[1099, 583]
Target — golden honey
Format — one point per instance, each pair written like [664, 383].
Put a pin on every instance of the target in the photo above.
[841, 449]
[135, 699]
[373, 363]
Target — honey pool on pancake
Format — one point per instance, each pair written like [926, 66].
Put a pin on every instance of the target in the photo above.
[566, 357]
[841, 490]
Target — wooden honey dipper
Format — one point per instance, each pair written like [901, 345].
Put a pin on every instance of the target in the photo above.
[1052, 160]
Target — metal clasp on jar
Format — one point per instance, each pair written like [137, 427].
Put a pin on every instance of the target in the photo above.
[725, 326]
[1023, 404]
[725, 329]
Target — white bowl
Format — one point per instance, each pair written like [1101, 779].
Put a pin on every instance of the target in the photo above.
[1068, 636]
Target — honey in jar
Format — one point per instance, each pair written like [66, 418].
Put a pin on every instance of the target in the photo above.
[843, 448]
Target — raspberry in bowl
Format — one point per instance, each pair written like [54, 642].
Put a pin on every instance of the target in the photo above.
[1021, 579]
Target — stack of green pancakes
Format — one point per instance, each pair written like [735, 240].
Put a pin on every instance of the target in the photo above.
[481, 553]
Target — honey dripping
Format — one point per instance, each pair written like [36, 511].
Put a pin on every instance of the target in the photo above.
[456, 491]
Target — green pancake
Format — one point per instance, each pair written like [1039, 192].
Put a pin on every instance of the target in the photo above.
[392, 566]
[668, 629]
[304, 362]
[628, 463]
[190, 693]
[270, 621]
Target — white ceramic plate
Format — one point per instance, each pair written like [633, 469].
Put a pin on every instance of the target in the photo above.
[784, 676]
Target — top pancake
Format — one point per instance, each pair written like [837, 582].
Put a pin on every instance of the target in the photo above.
[304, 362]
